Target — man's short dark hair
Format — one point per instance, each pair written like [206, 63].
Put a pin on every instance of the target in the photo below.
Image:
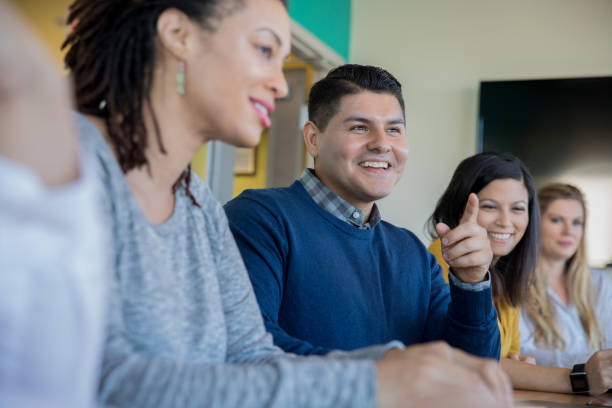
[349, 79]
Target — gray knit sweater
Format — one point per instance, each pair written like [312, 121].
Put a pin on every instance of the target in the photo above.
[184, 326]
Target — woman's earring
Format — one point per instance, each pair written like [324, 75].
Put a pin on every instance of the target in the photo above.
[180, 78]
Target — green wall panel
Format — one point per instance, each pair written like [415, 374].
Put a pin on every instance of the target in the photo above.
[329, 20]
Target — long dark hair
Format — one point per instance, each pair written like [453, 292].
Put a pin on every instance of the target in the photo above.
[512, 273]
[111, 55]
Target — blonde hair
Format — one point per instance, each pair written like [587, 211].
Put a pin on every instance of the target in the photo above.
[578, 279]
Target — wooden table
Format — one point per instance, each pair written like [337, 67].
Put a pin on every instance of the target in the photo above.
[550, 399]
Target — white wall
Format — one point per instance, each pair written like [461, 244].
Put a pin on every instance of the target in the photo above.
[440, 50]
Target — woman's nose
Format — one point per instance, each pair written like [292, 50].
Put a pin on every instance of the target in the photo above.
[503, 218]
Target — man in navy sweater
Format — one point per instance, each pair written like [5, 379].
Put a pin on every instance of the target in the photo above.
[327, 271]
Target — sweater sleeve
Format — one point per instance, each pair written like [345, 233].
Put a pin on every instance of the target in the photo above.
[255, 373]
[470, 319]
[247, 339]
[263, 245]
[132, 379]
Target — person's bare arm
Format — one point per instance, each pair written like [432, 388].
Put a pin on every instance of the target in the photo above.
[556, 379]
[525, 376]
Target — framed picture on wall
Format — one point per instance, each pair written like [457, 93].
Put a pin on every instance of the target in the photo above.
[245, 164]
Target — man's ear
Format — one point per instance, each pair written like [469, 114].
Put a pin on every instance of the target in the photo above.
[311, 138]
[173, 30]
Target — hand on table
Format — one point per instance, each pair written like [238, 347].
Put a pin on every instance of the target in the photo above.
[599, 371]
[466, 248]
[437, 375]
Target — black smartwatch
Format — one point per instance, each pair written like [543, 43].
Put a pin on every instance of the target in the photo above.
[579, 380]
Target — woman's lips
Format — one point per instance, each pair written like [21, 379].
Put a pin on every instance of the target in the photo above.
[263, 109]
[501, 237]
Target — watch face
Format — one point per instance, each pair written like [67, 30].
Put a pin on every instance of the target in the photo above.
[579, 382]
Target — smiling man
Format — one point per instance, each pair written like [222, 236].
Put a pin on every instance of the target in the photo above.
[328, 272]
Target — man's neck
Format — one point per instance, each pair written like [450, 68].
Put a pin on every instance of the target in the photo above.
[365, 207]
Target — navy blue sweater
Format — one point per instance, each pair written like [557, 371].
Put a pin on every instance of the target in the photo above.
[323, 284]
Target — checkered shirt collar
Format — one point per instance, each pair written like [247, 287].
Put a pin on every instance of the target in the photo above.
[334, 204]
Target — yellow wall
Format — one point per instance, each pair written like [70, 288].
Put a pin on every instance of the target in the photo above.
[198, 163]
[258, 180]
[295, 63]
[47, 17]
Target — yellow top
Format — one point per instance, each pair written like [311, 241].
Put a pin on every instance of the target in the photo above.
[507, 316]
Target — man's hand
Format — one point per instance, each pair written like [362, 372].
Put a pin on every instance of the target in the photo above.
[436, 375]
[466, 248]
[599, 371]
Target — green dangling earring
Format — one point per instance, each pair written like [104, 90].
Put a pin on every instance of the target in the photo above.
[180, 78]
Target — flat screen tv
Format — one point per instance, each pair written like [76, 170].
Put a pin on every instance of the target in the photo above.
[562, 130]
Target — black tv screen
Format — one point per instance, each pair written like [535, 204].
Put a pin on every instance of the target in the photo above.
[562, 130]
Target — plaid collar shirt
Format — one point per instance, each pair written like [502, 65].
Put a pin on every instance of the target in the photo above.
[335, 205]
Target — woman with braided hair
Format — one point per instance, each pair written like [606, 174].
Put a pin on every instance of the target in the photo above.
[154, 81]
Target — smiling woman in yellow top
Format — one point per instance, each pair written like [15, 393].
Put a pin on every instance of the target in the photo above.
[509, 211]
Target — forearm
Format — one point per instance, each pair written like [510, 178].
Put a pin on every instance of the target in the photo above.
[535, 377]
[134, 381]
[472, 322]
[556, 358]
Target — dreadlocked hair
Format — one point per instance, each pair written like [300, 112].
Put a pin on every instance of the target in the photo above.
[111, 57]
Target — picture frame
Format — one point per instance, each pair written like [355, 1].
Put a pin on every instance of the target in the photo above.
[246, 161]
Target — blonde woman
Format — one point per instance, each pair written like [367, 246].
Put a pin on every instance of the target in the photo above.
[568, 315]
